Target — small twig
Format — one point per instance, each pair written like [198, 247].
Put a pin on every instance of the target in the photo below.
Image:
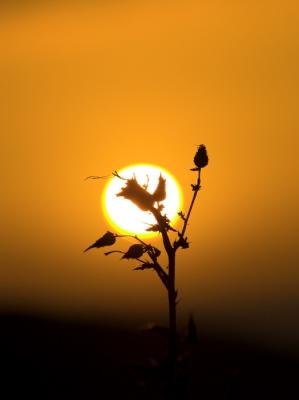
[133, 237]
[115, 173]
[182, 215]
[114, 251]
[96, 177]
[123, 252]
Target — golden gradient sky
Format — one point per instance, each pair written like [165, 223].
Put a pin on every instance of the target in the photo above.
[89, 87]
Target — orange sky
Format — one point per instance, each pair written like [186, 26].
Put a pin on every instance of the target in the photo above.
[87, 88]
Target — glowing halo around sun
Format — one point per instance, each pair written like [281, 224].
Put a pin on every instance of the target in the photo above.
[124, 215]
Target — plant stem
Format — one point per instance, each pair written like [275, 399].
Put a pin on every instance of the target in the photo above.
[196, 190]
[167, 245]
[172, 314]
[171, 293]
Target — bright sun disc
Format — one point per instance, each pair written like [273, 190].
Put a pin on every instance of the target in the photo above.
[124, 215]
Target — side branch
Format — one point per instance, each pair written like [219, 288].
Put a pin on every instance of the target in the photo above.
[133, 237]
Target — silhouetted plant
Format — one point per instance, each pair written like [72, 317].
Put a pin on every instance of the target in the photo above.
[151, 202]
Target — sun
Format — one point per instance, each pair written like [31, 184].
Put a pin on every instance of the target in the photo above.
[125, 216]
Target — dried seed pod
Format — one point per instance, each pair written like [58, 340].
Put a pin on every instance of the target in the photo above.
[201, 157]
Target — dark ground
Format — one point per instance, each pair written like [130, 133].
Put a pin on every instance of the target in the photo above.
[43, 358]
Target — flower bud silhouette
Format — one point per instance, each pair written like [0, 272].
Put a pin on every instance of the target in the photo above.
[201, 158]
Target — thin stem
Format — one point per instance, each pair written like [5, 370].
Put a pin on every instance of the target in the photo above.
[161, 223]
[123, 252]
[172, 314]
[132, 236]
[171, 292]
[196, 190]
[159, 269]
[161, 274]
[114, 251]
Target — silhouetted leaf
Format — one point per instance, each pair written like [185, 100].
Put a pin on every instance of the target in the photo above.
[135, 251]
[144, 266]
[165, 221]
[195, 187]
[182, 242]
[153, 228]
[106, 240]
[165, 225]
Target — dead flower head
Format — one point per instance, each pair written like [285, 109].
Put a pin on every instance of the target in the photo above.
[137, 194]
[160, 192]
